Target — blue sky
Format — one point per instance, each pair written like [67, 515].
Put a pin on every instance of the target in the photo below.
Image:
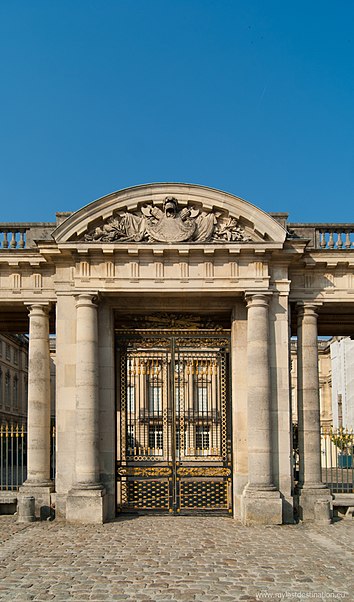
[253, 97]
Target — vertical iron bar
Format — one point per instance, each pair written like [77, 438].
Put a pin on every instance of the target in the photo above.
[351, 463]
[6, 456]
[17, 456]
[23, 451]
[341, 468]
[325, 439]
[189, 388]
[173, 424]
[12, 454]
[53, 453]
[1, 456]
[133, 424]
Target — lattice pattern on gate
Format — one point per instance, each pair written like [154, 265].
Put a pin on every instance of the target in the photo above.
[148, 495]
[203, 494]
[175, 413]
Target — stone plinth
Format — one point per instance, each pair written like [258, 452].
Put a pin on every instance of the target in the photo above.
[86, 506]
[261, 507]
[42, 494]
[308, 501]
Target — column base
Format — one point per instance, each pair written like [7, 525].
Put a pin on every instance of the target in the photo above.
[261, 507]
[42, 495]
[314, 504]
[60, 505]
[87, 506]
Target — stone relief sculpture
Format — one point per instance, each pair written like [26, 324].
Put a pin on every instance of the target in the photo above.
[170, 320]
[169, 225]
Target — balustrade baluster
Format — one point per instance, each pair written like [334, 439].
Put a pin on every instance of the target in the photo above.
[331, 240]
[5, 242]
[13, 240]
[348, 243]
[339, 240]
[21, 243]
[323, 243]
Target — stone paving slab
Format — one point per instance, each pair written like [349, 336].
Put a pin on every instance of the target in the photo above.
[157, 559]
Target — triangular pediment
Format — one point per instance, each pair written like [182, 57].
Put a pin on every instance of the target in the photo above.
[169, 213]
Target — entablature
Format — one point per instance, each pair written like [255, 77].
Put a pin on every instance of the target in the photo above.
[329, 258]
[21, 257]
[53, 251]
[322, 282]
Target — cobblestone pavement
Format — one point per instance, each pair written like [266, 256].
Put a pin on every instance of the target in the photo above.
[182, 558]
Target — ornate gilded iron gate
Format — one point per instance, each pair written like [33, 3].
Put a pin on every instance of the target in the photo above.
[174, 448]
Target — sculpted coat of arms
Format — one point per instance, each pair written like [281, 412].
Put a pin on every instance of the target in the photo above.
[169, 224]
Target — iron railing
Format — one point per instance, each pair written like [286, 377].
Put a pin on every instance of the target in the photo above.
[337, 459]
[13, 455]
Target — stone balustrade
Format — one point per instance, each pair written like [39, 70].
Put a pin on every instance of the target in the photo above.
[13, 237]
[22, 235]
[321, 236]
[341, 237]
[325, 236]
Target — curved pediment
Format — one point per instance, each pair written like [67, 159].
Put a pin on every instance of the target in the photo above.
[169, 213]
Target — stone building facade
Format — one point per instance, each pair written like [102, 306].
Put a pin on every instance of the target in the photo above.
[173, 306]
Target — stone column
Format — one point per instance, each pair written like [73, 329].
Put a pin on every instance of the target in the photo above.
[85, 501]
[239, 403]
[87, 432]
[38, 481]
[310, 487]
[261, 500]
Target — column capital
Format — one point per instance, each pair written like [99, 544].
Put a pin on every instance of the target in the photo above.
[307, 308]
[38, 308]
[258, 299]
[89, 299]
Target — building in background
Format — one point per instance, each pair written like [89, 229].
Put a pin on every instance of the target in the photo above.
[336, 382]
[325, 381]
[342, 364]
[13, 378]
